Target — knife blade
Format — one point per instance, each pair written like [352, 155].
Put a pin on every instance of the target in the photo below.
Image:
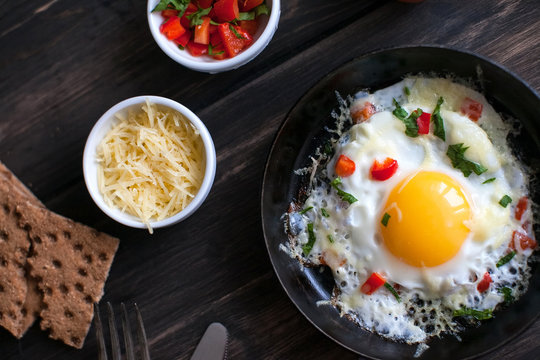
[213, 344]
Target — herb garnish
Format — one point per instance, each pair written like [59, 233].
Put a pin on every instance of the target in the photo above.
[306, 248]
[406, 91]
[180, 5]
[195, 18]
[345, 196]
[489, 180]
[438, 123]
[211, 50]
[399, 112]
[324, 212]
[505, 259]
[505, 200]
[246, 16]
[477, 314]
[235, 32]
[411, 126]
[392, 290]
[385, 219]
[507, 292]
[330, 238]
[456, 153]
[306, 210]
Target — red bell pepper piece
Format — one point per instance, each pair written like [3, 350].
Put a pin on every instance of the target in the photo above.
[364, 113]
[202, 32]
[250, 26]
[423, 123]
[219, 53]
[345, 166]
[234, 38]
[215, 39]
[524, 241]
[197, 49]
[483, 285]
[374, 282]
[226, 10]
[204, 4]
[172, 28]
[167, 13]
[191, 8]
[183, 39]
[521, 207]
[472, 109]
[383, 171]
[246, 5]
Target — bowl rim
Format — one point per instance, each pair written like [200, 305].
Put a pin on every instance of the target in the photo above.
[215, 66]
[90, 164]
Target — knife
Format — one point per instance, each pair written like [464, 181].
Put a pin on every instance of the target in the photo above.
[213, 344]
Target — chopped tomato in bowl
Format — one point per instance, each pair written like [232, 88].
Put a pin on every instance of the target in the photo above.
[213, 35]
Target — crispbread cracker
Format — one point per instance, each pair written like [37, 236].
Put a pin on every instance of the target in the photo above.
[71, 262]
[18, 185]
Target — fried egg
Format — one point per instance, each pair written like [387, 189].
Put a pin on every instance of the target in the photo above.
[434, 228]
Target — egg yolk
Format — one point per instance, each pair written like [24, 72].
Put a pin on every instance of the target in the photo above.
[427, 214]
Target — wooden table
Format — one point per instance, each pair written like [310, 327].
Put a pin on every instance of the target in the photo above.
[64, 63]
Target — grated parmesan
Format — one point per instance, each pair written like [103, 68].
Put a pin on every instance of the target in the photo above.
[151, 163]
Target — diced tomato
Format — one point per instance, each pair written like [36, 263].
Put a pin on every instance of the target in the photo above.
[521, 207]
[204, 4]
[167, 13]
[524, 241]
[191, 8]
[172, 28]
[246, 5]
[483, 285]
[233, 43]
[423, 123]
[344, 166]
[226, 10]
[197, 49]
[364, 113]
[183, 39]
[472, 109]
[250, 26]
[202, 32]
[383, 171]
[374, 282]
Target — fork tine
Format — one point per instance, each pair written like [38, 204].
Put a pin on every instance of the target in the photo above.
[102, 353]
[142, 335]
[127, 334]
[115, 343]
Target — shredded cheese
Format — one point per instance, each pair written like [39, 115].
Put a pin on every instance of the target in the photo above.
[151, 163]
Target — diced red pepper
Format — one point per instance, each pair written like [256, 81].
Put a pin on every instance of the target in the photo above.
[197, 49]
[215, 39]
[344, 166]
[167, 13]
[246, 5]
[191, 8]
[219, 53]
[172, 28]
[423, 123]
[364, 113]
[374, 282]
[471, 108]
[383, 171]
[524, 241]
[233, 43]
[226, 10]
[183, 39]
[250, 26]
[483, 285]
[202, 32]
[521, 207]
[204, 4]
[213, 29]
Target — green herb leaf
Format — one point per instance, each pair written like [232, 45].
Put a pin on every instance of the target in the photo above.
[411, 126]
[261, 10]
[325, 213]
[385, 219]
[306, 210]
[306, 248]
[330, 238]
[345, 196]
[406, 91]
[489, 181]
[181, 47]
[212, 22]
[235, 32]
[195, 18]
[438, 123]
[505, 259]
[399, 112]
[392, 290]
[507, 292]
[505, 200]
[456, 153]
[180, 5]
[246, 16]
[477, 314]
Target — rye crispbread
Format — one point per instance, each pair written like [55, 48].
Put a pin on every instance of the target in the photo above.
[71, 262]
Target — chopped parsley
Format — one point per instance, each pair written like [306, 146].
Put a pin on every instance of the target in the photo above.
[507, 293]
[246, 16]
[477, 314]
[411, 126]
[325, 213]
[505, 200]
[456, 153]
[438, 123]
[406, 91]
[399, 112]
[306, 210]
[180, 5]
[306, 248]
[345, 196]
[385, 219]
[392, 290]
[211, 51]
[330, 238]
[505, 259]
[236, 33]
[490, 180]
[195, 18]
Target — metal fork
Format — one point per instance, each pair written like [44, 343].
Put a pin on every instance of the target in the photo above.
[126, 330]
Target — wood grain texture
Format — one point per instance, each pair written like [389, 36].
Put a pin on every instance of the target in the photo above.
[63, 63]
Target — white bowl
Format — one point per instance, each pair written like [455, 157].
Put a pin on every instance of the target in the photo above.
[267, 28]
[104, 125]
